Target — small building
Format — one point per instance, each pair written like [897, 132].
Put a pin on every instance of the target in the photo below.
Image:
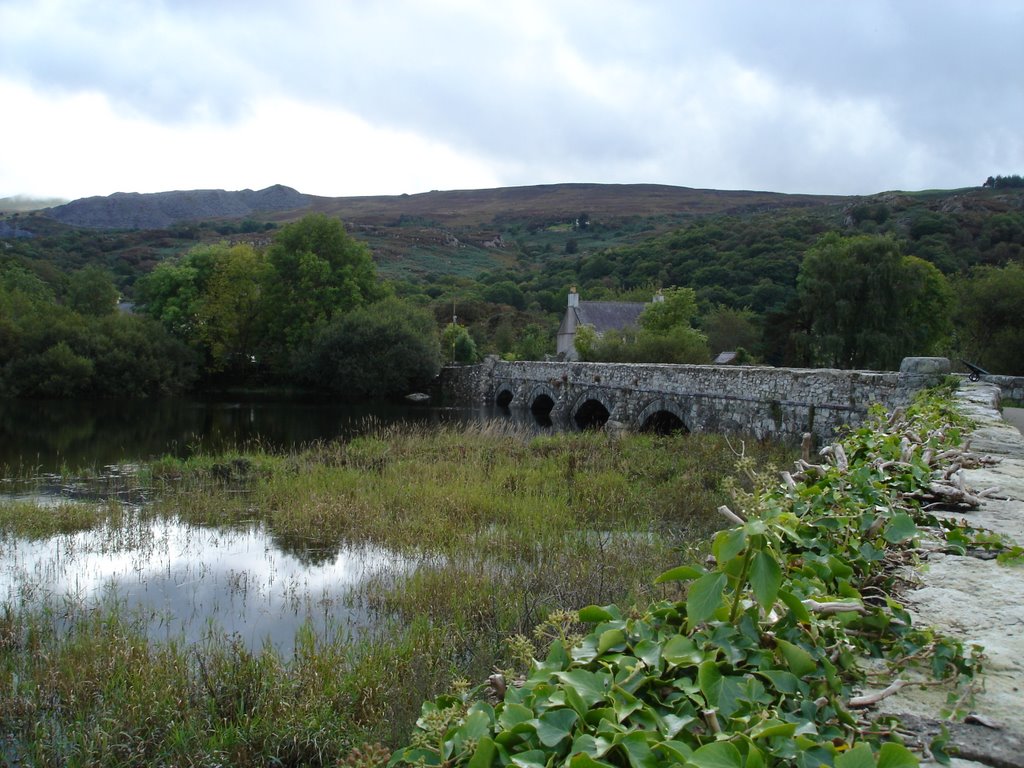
[602, 316]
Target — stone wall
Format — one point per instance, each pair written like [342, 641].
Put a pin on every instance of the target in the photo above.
[1010, 387]
[762, 401]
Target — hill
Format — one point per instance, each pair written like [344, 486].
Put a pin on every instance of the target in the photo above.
[132, 210]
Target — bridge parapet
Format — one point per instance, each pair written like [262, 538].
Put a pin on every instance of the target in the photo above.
[757, 400]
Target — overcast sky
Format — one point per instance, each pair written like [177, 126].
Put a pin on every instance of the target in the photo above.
[358, 97]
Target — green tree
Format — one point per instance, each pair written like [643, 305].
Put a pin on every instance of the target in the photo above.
[990, 318]
[91, 291]
[730, 329]
[457, 344]
[318, 271]
[867, 306]
[171, 294]
[675, 308]
[231, 310]
[383, 349]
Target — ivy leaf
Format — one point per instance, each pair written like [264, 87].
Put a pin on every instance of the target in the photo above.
[860, 756]
[680, 573]
[513, 714]
[681, 650]
[893, 755]
[637, 750]
[728, 544]
[795, 605]
[704, 597]
[900, 528]
[594, 614]
[594, 746]
[555, 725]
[718, 754]
[649, 652]
[799, 661]
[583, 760]
[611, 638]
[765, 579]
[591, 687]
[484, 754]
[533, 758]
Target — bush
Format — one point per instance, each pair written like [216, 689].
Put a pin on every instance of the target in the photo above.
[387, 348]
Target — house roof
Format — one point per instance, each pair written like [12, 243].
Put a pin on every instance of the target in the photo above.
[608, 315]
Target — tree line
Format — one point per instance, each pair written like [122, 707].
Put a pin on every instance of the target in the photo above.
[861, 286]
[308, 311]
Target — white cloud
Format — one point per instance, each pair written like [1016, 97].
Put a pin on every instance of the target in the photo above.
[788, 96]
[83, 146]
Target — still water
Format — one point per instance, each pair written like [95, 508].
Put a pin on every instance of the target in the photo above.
[39, 437]
[184, 580]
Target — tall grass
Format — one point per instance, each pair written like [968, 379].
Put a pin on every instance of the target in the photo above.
[504, 528]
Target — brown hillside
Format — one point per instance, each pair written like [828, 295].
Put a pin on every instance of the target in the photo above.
[549, 202]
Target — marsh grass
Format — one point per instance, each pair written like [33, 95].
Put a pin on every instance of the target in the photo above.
[503, 527]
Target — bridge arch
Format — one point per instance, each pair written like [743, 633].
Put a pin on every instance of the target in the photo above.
[504, 394]
[541, 401]
[591, 410]
[662, 416]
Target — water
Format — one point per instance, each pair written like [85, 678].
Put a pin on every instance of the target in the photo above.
[39, 437]
[184, 580]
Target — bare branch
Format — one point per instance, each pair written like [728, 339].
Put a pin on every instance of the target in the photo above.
[874, 698]
[728, 514]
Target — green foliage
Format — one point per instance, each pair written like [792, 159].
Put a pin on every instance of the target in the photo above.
[231, 313]
[319, 271]
[383, 349]
[91, 291]
[756, 663]
[730, 329]
[674, 308]
[50, 350]
[1004, 182]
[457, 345]
[867, 306]
[991, 319]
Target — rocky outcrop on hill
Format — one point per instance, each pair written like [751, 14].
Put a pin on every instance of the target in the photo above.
[132, 210]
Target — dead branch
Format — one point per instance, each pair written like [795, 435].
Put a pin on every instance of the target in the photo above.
[874, 698]
[728, 514]
[834, 607]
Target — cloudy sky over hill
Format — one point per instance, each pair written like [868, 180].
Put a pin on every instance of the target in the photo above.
[352, 97]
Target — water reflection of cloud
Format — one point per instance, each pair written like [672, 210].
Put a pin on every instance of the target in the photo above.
[186, 579]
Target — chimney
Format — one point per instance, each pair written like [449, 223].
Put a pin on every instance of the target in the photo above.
[574, 298]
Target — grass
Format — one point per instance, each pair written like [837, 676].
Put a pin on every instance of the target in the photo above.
[503, 528]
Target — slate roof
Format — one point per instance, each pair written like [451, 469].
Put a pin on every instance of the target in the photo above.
[608, 315]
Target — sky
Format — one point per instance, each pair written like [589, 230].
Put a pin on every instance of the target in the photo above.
[367, 97]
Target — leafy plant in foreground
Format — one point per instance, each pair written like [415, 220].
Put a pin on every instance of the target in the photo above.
[755, 663]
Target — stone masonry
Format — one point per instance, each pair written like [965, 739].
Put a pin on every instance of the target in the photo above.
[760, 401]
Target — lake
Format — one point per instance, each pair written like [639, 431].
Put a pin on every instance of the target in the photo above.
[42, 437]
[181, 576]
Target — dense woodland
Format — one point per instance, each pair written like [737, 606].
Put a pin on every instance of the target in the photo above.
[855, 283]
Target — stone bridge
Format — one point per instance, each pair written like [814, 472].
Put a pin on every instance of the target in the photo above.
[755, 400]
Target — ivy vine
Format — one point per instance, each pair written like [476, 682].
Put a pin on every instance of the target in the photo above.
[753, 659]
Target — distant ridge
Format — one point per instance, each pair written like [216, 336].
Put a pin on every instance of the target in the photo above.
[133, 210]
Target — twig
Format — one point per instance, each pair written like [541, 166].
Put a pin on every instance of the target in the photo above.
[834, 607]
[728, 514]
[874, 698]
[711, 718]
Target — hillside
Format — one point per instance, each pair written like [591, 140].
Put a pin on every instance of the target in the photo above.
[503, 260]
[132, 210]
